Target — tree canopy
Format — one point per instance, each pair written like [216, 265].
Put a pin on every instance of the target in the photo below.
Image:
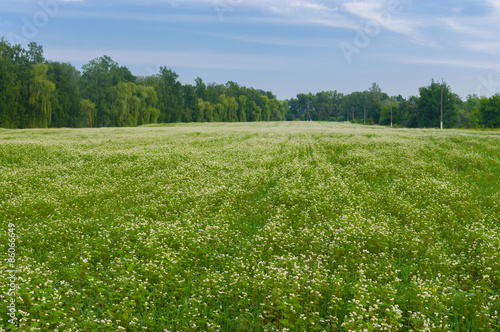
[37, 93]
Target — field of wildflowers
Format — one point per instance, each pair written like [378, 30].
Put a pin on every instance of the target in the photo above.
[251, 227]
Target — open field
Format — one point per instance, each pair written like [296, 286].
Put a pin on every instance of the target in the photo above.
[251, 227]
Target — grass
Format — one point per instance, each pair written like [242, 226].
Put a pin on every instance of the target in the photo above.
[252, 227]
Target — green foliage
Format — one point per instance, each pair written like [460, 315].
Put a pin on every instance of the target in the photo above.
[469, 115]
[66, 101]
[41, 91]
[169, 92]
[490, 111]
[10, 87]
[89, 113]
[414, 112]
[28, 99]
[134, 105]
[429, 106]
[98, 80]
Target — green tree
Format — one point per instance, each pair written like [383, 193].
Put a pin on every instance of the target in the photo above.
[468, 115]
[148, 113]
[41, 92]
[190, 98]
[170, 99]
[397, 113]
[206, 111]
[35, 53]
[324, 106]
[234, 90]
[222, 109]
[232, 109]
[89, 113]
[253, 111]
[213, 93]
[10, 87]
[201, 89]
[429, 106]
[134, 105]
[242, 108]
[277, 110]
[125, 106]
[265, 109]
[305, 106]
[490, 111]
[285, 110]
[67, 100]
[374, 102]
[97, 85]
[412, 113]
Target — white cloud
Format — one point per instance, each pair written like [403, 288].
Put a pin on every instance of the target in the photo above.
[478, 27]
[387, 14]
[490, 47]
[390, 15]
[494, 3]
[477, 33]
[275, 12]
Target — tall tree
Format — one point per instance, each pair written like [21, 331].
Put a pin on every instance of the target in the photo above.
[35, 53]
[89, 113]
[242, 108]
[67, 100]
[148, 113]
[201, 89]
[125, 106]
[98, 79]
[190, 98]
[490, 111]
[41, 91]
[265, 109]
[429, 106]
[169, 92]
[277, 110]
[10, 87]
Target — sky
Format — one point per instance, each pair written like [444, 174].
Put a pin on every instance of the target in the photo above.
[284, 46]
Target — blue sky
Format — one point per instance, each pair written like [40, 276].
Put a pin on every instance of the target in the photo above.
[286, 46]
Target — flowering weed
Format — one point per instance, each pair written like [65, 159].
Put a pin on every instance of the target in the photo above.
[251, 227]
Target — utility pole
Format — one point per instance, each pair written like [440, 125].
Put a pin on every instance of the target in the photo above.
[347, 112]
[364, 116]
[391, 112]
[442, 82]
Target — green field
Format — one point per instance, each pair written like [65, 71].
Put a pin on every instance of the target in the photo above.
[252, 227]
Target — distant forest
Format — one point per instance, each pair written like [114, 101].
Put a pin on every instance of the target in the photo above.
[37, 93]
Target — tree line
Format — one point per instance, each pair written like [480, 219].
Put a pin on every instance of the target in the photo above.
[37, 93]
[376, 107]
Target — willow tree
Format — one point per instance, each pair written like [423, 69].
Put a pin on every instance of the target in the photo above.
[89, 112]
[41, 91]
[148, 113]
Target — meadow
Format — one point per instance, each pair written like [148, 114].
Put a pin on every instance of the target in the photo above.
[295, 226]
